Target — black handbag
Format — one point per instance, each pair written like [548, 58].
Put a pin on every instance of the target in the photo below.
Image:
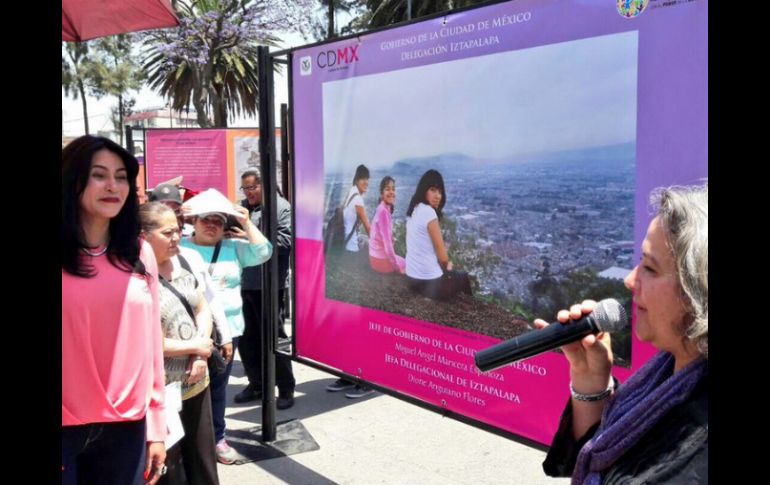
[217, 363]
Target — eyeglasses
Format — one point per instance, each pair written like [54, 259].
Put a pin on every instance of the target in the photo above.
[250, 188]
[213, 220]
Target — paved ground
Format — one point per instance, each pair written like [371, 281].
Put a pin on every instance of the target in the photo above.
[378, 440]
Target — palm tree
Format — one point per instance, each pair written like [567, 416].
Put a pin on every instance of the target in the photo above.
[76, 73]
[210, 60]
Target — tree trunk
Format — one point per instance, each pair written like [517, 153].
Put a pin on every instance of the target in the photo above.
[200, 112]
[120, 117]
[219, 109]
[82, 90]
[220, 115]
[330, 34]
[199, 102]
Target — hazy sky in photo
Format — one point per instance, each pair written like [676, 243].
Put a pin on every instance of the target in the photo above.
[563, 96]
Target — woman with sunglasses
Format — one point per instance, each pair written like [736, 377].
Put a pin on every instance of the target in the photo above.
[226, 257]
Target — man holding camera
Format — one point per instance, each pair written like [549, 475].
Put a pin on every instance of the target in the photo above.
[250, 344]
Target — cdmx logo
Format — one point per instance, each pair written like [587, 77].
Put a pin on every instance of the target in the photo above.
[340, 57]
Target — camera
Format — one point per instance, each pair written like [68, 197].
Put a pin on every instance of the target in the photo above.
[231, 223]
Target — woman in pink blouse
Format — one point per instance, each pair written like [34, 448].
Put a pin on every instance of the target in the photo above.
[113, 417]
[382, 257]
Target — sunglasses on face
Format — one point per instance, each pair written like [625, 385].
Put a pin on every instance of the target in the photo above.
[213, 220]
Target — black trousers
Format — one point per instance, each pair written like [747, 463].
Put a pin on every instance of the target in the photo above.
[112, 453]
[250, 344]
[193, 459]
[443, 287]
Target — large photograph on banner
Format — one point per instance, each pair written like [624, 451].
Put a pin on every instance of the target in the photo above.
[522, 178]
[525, 137]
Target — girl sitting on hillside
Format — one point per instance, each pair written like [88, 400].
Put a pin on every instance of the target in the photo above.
[382, 257]
[428, 269]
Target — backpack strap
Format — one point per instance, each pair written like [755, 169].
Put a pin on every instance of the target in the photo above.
[358, 221]
[352, 196]
[186, 265]
[214, 257]
[176, 293]
[352, 231]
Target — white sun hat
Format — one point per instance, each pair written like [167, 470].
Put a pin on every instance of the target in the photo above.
[209, 201]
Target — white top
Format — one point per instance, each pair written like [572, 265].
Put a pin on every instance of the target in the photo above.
[421, 260]
[201, 272]
[349, 216]
[187, 230]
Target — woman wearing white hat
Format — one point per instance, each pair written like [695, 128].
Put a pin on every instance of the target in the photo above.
[227, 259]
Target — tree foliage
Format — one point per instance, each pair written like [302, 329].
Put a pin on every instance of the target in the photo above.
[330, 28]
[381, 13]
[466, 255]
[119, 112]
[76, 74]
[550, 294]
[463, 251]
[210, 60]
[115, 72]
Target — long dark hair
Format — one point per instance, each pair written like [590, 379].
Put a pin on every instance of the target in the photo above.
[431, 178]
[361, 173]
[123, 247]
[384, 183]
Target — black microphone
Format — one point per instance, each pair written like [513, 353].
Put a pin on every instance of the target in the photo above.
[608, 316]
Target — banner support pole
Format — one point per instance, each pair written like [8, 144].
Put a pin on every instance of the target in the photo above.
[269, 229]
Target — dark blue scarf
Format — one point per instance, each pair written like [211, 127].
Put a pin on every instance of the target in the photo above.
[648, 395]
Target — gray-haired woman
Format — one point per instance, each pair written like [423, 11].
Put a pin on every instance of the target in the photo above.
[186, 322]
[654, 428]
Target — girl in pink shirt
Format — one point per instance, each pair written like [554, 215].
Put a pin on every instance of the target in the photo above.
[382, 256]
[113, 418]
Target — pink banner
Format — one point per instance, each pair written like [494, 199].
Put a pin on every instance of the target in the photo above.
[549, 123]
[199, 155]
[428, 361]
